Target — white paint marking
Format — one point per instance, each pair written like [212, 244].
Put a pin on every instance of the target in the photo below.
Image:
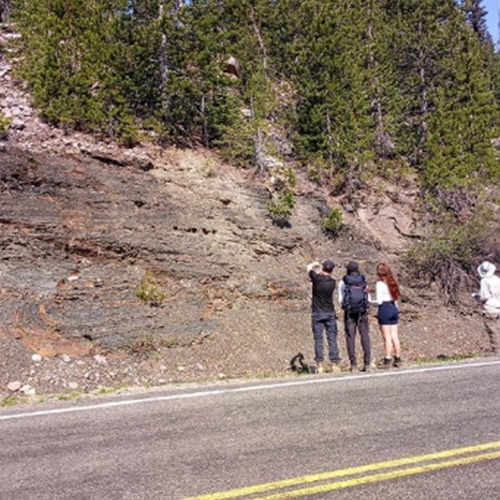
[251, 388]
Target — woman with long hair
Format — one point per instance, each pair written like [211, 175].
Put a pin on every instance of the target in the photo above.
[387, 294]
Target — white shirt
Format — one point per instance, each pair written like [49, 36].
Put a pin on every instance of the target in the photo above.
[341, 291]
[490, 294]
[382, 293]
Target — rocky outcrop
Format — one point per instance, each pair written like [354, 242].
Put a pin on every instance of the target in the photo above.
[151, 265]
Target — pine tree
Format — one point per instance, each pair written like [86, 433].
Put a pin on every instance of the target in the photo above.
[475, 16]
[73, 61]
[326, 62]
[356, 83]
[5, 10]
[495, 72]
[463, 112]
[383, 78]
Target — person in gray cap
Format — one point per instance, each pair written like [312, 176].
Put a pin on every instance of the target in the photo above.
[353, 297]
[489, 295]
[323, 312]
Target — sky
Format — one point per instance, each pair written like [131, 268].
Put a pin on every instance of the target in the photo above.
[492, 6]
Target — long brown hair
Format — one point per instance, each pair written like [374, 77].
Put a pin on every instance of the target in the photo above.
[385, 274]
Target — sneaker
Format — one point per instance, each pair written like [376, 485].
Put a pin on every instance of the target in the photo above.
[335, 367]
[366, 368]
[397, 362]
[319, 367]
[353, 369]
[385, 363]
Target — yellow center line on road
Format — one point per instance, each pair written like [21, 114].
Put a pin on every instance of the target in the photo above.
[380, 477]
[390, 464]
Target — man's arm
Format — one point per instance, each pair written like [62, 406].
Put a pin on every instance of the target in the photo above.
[314, 266]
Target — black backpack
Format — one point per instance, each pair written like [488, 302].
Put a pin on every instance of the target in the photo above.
[297, 365]
[355, 300]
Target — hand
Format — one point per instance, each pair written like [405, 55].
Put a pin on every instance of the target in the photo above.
[314, 266]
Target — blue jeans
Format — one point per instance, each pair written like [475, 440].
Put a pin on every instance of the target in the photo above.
[322, 321]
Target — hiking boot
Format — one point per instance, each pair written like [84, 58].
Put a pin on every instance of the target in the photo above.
[353, 368]
[335, 367]
[397, 362]
[319, 367]
[385, 363]
[366, 368]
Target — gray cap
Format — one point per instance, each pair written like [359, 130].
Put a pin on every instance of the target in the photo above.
[352, 266]
[328, 266]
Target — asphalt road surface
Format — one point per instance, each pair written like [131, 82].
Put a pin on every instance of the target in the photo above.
[414, 434]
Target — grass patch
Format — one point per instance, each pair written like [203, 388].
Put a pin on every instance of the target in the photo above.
[10, 400]
[109, 390]
[445, 358]
[69, 396]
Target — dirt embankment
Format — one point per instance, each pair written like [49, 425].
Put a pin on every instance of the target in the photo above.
[151, 266]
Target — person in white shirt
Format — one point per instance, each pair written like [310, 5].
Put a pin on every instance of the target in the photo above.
[489, 295]
[387, 294]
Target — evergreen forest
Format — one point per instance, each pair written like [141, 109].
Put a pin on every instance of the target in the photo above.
[348, 89]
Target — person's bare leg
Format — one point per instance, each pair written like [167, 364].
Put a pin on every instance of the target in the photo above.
[386, 332]
[395, 341]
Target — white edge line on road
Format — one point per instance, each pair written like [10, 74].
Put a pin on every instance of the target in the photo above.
[254, 387]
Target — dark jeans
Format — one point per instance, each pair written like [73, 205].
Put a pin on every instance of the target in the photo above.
[322, 321]
[353, 322]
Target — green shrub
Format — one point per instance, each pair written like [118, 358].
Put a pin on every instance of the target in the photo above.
[149, 290]
[282, 202]
[280, 208]
[450, 253]
[333, 223]
[4, 127]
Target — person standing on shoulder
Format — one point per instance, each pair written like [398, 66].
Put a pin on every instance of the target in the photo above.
[353, 297]
[489, 295]
[323, 312]
[387, 294]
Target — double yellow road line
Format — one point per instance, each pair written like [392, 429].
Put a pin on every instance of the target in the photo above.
[339, 479]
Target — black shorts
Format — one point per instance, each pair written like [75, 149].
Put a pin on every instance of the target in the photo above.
[388, 314]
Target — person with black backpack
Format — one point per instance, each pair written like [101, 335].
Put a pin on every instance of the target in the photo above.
[353, 297]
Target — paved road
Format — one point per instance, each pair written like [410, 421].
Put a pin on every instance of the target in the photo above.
[424, 433]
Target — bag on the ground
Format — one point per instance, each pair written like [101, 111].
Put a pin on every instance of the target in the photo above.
[297, 365]
[355, 300]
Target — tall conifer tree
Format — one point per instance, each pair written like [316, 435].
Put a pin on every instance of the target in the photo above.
[463, 110]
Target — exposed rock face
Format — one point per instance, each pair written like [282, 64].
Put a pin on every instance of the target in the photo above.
[78, 237]
[83, 222]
